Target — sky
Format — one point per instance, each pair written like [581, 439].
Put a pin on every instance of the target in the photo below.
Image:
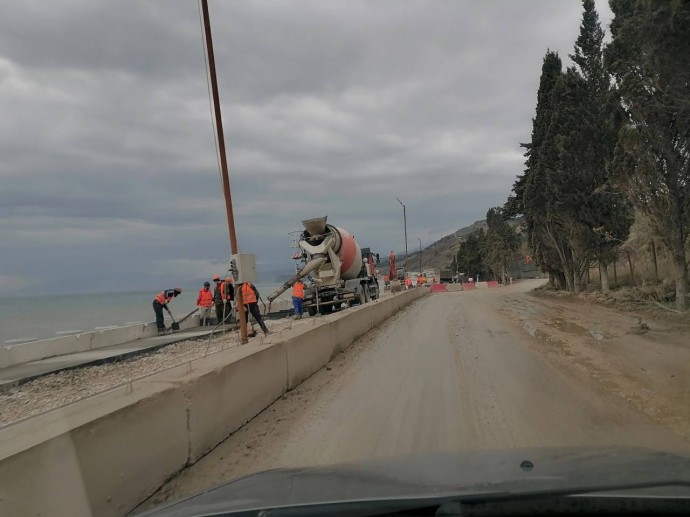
[109, 179]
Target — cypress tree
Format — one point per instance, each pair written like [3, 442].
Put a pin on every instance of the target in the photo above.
[649, 57]
[606, 212]
[528, 198]
[500, 243]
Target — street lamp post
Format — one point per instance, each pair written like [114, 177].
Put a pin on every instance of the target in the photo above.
[405, 223]
[420, 255]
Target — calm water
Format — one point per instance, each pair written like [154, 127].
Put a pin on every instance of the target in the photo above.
[40, 317]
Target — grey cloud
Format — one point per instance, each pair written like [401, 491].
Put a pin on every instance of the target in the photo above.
[137, 38]
[108, 161]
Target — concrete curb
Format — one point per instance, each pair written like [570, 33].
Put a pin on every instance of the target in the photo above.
[13, 355]
[42, 368]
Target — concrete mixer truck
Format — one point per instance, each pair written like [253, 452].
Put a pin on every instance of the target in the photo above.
[337, 271]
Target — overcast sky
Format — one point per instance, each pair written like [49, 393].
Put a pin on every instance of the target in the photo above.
[108, 172]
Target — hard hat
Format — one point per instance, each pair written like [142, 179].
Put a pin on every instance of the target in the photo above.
[216, 278]
[228, 279]
[207, 284]
[178, 290]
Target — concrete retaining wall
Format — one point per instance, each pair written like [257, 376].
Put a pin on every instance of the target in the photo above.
[89, 469]
[227, 397]
[106, 454]
[12, 355]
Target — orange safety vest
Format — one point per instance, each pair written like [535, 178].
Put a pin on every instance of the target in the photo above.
[420, 280]
[248, 295]
[205, 298]
[162, 299]
[298, 290]
[408, 282]
[222, 290]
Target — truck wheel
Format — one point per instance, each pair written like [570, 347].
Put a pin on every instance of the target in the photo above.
[325, 309]
[311, 310]
[359, 296]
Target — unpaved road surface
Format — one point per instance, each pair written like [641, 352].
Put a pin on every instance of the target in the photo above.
[648, 367]
[451, 372]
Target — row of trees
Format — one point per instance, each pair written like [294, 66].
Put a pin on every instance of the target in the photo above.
[488, 254]
[610, 142]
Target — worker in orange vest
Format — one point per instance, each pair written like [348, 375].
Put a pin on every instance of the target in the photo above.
[250, 297]
[204, 302]
[298, 298]
[160, 302]
[420, 280]
[218, 299]
[227, 293]
[408, 283]
[223, 296]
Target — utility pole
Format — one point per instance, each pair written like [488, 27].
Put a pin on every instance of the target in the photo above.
[223, 160]
[405, 224]
[420, 255]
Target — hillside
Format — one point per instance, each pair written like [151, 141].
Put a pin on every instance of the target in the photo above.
[439, 254]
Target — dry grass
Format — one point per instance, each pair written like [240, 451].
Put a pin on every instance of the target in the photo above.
[641, 292]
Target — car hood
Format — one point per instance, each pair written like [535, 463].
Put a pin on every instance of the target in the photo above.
[516, 471]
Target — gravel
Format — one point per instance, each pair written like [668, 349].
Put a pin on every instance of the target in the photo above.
[62, 388]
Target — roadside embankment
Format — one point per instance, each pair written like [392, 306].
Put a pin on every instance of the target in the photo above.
[107, 453]
[641, 357]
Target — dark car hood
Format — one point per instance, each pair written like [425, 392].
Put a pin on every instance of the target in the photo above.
[516, 471]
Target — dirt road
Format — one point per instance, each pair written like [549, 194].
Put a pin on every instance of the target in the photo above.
[452, 372]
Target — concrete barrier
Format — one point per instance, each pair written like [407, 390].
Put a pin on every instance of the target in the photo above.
[102, 467]
[12, 355]
[349, 326]
[307, 352]
[225, 398]
[106, 454]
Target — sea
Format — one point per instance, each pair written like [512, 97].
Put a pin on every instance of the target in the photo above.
[42, 317]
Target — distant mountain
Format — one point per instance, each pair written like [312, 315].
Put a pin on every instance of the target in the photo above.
[439, 254]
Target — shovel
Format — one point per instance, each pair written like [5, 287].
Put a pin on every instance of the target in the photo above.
[175, 326]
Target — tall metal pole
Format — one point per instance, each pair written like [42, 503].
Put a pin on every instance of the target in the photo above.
[405, 223]
[420, 255]
[223, 159]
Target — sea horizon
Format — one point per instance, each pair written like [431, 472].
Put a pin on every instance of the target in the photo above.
[35, 317]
